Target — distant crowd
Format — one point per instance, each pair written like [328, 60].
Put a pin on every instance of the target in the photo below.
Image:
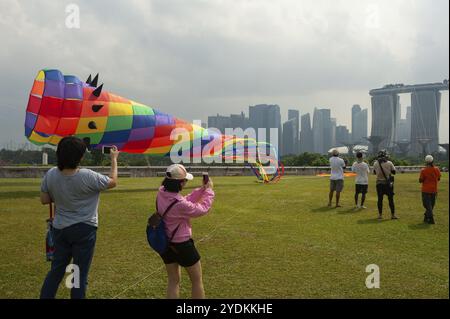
[384, 170]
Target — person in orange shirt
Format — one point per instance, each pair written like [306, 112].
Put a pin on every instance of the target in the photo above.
[429, 178]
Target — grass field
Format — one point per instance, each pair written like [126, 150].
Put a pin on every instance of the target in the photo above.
[259, 241]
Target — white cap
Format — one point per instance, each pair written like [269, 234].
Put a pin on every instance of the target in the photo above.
[429, 159]
[178, 171]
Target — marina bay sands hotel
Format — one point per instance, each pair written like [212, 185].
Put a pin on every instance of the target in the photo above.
[425, 115]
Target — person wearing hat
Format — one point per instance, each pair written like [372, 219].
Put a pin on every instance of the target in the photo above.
[429, 178]
[384, 169]
[337, 165]
[182, 251]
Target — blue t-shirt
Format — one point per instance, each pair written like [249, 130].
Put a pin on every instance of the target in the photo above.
[76, 196]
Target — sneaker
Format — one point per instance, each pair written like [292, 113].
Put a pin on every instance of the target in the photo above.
[431, 221]
[394, 217]
[363, 207]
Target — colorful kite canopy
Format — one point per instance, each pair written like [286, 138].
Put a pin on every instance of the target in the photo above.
[62, 105]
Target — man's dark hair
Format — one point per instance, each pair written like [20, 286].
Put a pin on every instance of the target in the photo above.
[69, 153]
[172, 185]
[359, 155]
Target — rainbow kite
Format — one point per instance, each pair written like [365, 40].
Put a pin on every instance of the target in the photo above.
[62, 105]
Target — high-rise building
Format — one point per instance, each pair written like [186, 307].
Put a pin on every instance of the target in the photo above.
[425, 116]
[266, 116]
[239, 121]
[404, 127]
[295, 115]
[425, 110]
[289, 136]
[322, 130]
[333, 132]
[342, 135]
[306, 135]
[219, 122]
[233, 121]
[359, 124]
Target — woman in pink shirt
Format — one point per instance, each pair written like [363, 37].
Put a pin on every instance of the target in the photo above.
[182, 251]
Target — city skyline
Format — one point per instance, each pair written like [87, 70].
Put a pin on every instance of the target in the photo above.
[197, 58]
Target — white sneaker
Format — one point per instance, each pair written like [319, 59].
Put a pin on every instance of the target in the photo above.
[363, 207]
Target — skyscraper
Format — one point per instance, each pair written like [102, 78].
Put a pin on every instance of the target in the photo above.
[266, 117]
[289, 136]
[404, 127]
[333, 132]
[359, 124]
[425, 116]
[322, 130]
[306, 135]
[233, 121]
[239, 121]
[219, 122]
[342, 135]
[295, 115]
[425, 110]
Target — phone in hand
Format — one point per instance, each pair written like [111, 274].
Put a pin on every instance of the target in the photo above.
[205, 178]
[107, 149]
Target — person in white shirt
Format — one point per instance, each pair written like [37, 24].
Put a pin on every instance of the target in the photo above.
[337, 165]
[362, 171]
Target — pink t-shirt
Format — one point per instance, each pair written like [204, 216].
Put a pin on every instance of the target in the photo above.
[195, 204]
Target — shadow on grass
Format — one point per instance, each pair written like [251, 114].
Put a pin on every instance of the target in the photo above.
[350, 211]
[421, 226]
[323, 209]
[372, 221]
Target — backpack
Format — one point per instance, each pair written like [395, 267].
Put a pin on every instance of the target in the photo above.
[156, 230]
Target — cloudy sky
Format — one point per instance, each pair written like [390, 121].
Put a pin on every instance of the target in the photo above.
[194, 58]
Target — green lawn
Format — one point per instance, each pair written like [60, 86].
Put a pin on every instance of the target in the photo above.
[259, 241]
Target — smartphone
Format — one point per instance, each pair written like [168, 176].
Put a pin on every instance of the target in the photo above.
[205, 178]
[107, 149]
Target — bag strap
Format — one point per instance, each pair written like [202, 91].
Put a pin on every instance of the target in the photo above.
[166, 211]
[51, 210]
[382, 170]
[174, 232]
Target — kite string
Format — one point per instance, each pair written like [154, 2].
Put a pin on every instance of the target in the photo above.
[207, 236]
